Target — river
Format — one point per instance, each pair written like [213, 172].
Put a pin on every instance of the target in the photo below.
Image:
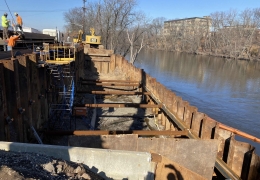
[226, 90]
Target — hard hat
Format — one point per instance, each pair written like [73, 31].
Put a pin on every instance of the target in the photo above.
[5, 14]
[15, 14]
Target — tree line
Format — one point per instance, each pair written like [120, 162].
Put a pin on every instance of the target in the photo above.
[126, 31]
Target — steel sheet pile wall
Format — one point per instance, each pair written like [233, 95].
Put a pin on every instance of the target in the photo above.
[23, 98]
[239, 156]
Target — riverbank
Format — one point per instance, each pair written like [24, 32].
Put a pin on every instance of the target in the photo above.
[206, 53]
[226, 56]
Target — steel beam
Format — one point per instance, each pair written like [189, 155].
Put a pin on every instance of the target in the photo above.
[109, 80]
[115, 92]
[136, 105]
[110, 84]
[105, 132]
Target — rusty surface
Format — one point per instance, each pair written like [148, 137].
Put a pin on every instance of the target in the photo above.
[25, 91]
[168, 169]
[7, 54]
[109, 80]
[114, 92]
[15, 128]
[126, 105]
[104, 132]
[196, 155]
[239, 157]
[110, 84]
[2, 104]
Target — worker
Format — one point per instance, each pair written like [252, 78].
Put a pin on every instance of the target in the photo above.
[11, 42]
[5, 25]
[19, 23]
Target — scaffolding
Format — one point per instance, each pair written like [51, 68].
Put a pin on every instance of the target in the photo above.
[58, 60]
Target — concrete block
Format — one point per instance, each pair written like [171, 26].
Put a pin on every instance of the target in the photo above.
[114, 164]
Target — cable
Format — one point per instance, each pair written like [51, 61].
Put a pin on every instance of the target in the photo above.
[9, 11]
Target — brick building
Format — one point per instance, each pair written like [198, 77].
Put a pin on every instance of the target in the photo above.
[188, 25]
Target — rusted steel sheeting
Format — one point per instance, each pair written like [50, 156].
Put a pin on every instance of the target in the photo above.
[168, 169]
[208, 127]
[103, 132]
[226, 171]
[6, 55]
[35, 91]
[43, 100]
[3, 104]
[254, 167]
[13, 100]
[239, 157]
[110, 84]
[25, 92]
[108, 80]
[197, 121]
[120, 105]
[115, 92]
[196, 155]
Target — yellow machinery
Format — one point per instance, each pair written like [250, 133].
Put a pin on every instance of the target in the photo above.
[79, 38]
[93, 39]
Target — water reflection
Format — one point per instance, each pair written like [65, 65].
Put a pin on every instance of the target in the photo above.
[226, 90]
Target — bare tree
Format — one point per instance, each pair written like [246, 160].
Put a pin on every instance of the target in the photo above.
[135, 48]
[110, 18]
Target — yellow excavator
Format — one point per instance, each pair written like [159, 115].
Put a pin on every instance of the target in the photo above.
[92, 40]
[78, 38]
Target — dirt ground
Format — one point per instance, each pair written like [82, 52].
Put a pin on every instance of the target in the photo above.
[30, 166]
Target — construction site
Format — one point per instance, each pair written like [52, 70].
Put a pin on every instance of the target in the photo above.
[82, 103]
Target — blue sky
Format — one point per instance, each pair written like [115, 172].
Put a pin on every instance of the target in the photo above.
[48, 14]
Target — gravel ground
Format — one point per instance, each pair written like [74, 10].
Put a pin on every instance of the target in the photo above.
[30, 166]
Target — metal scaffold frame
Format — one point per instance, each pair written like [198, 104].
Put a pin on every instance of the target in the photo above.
[63, 90]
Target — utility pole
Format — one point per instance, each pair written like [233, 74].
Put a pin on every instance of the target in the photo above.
[84, 16]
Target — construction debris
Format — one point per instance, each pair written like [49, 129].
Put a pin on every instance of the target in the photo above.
[18, 165]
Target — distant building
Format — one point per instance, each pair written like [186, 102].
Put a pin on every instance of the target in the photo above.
[188, 25]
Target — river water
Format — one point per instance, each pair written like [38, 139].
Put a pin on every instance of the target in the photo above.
[226, 90]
